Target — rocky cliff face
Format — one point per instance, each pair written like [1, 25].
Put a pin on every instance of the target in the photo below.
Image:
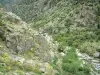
[17, 39]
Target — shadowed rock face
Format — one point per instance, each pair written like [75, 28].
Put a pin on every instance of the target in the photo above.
[19, 37]
[13, 34]
[19, 42]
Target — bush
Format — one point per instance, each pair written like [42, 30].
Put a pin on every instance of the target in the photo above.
[20, 72]
[90, 47]
[0, 6]
[28, 67]
[71, 65]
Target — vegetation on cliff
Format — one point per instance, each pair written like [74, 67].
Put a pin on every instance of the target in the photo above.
[73, 24]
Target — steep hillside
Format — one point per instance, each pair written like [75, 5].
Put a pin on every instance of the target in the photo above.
[22, 49]
[74, 26]
[4, 2]
[73, 23]
[31, 8]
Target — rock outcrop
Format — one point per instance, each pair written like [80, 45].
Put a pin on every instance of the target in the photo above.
[18, 40]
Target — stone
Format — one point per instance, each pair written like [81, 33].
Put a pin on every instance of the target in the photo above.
[62, 54]
[20, 59]
[96, 54]
[97, 66]
[42, 70]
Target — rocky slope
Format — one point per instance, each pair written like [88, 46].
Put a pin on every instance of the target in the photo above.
[22, 49]
[74, 24]
[31, 8]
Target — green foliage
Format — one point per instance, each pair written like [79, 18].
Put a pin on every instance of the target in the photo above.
[55, 59]
[29, 53]
[1, 14]
[71, 65]
[3, 68]
[36, 69]
[20, 72]
[1, 23]
[82, 32]
[5, 57]
[86, 40]
[98, 8]
[90, 47]
[0, 6]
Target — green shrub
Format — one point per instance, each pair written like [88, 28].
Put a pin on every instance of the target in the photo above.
[0, 6]
[90, 47]
[36, 69]
[71, 65]
[20, 72]
[28, 67]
